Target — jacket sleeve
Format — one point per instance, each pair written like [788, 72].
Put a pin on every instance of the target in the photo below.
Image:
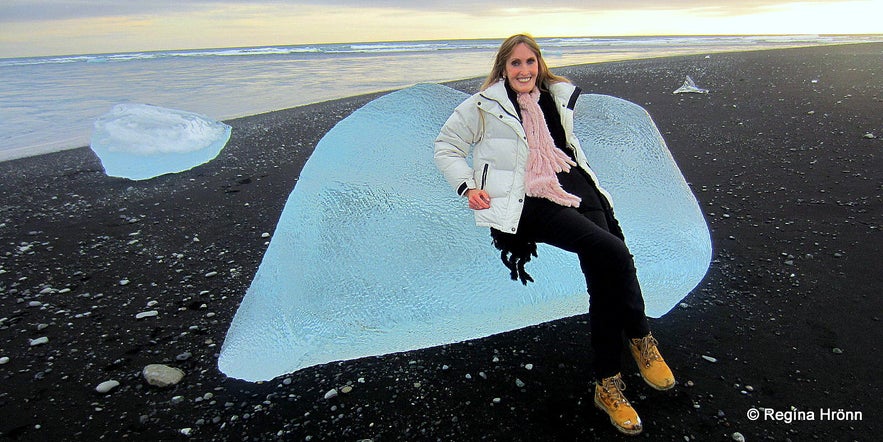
[454, 143]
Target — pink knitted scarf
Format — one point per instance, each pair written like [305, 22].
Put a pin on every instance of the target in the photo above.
[544, 160]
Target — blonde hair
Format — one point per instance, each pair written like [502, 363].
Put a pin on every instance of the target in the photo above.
[544, 76]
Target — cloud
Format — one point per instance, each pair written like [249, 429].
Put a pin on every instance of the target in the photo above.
[43, 10]
[50, 10]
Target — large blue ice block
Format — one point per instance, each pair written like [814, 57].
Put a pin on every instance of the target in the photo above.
[140, 141]
[374, 253]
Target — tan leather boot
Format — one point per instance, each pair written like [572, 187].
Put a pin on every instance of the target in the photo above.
[609, 398]
[653, 368]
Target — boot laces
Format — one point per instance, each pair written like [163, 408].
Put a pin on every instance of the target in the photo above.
[613, 387]
[647, 347]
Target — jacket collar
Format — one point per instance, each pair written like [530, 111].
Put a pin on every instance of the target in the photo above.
[497, 92]
[565, 93]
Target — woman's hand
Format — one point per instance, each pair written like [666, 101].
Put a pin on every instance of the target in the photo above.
[478, 199]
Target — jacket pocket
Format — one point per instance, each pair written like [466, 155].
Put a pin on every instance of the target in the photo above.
[497, 183]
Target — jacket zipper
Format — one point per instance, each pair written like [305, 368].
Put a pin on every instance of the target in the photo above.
[484, 176]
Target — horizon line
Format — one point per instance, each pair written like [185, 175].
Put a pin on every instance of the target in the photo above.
[75, 54]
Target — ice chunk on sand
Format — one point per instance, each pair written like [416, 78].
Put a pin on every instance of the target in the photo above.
[375, 254]
[140, 141]
[689, 86]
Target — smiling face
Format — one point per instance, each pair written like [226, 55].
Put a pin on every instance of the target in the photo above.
[522, 68]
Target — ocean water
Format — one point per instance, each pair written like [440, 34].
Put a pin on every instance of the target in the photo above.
[51, 103]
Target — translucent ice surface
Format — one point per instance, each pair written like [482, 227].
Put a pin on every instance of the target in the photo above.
[375, 254]
[689, 86]
[140, 141]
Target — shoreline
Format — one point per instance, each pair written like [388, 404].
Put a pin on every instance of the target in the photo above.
[787, 315]
[53, 146]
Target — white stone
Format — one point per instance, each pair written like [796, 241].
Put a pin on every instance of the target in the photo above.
[106, 386]
[331, 393]
[709, 358]
[162, 375]
[39, 341]
[4, 360]
[147, 314]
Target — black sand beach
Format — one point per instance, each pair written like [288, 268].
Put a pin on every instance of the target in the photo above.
[784, 156]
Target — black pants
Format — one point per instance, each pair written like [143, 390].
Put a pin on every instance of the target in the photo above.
[616, 305]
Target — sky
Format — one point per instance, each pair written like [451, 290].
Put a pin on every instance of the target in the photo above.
[64, 27]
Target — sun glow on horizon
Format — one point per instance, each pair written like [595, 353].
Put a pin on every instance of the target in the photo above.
[244, 25]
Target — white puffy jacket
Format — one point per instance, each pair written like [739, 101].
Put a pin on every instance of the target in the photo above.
[487, 124]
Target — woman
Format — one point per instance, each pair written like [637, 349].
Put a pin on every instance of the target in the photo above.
[530, 182]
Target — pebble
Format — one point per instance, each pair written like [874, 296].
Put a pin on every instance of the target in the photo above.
[738, 437]
[331, 394]
[528, 366]
[162, 375]
[106, 386]
[709, 358]
[210, 274]
[346, 389]
[265, 235]
[183, 356]
[519, 383]
[837, 351]
[124, 282]
[870, 136]
[39, 341]
[4, 360]
[147, 314]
